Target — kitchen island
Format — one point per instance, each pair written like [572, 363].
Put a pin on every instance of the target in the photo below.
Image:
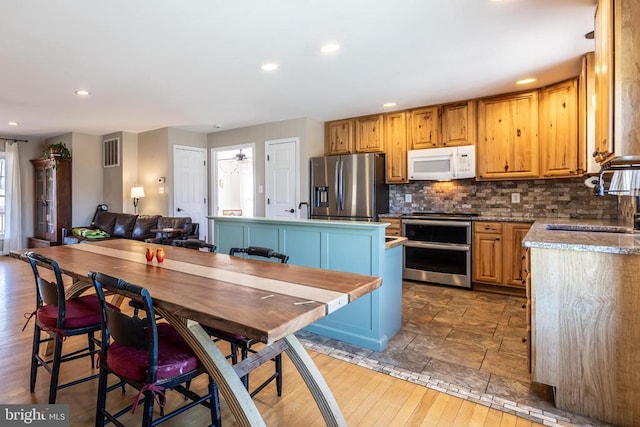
[584, 299]
[350, 246]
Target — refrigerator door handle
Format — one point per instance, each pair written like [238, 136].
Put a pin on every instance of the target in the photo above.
[341, 207]
[336, 184]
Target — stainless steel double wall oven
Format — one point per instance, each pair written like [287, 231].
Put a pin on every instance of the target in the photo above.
[438, 249]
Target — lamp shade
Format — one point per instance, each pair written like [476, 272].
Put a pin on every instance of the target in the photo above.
[137, 192]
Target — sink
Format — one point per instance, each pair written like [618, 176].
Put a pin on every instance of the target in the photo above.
[587, 228]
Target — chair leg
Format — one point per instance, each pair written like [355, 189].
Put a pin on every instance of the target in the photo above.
[55, 369]
[244, 351]
[147, 417]
[35, 349]
[279, 374]
[102, 397]
[214, 404]
[92, 348]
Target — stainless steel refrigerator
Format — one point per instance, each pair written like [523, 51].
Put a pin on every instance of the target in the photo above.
[349, 187]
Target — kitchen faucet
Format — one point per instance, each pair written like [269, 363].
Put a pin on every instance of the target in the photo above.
[308, 211]
[622, 163]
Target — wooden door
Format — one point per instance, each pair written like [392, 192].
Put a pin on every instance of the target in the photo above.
[425, 128]
[369, 136]
[559, 130]
[487, 253]
[458, 124]
[339, 137]
[395, 126]
[507, 145]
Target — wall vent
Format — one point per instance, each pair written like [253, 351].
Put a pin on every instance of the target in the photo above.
[111, 152]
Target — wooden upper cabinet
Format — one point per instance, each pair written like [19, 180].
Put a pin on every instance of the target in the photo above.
[458, 124]
[338, 137]
[395, 125]
[425, 128]
[604, 67]
[507, 146]
[559, 130]
[369, 134]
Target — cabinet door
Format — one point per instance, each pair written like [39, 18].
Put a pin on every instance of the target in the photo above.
[559, 130]
[394, 228]
[507, 145]
[514, 267]
[395, 126]
[339, 137]
[425, 128]
[604, 63]
[51, 205]
[369, 134]
[487, 258]
[40, 209]
[458, 124]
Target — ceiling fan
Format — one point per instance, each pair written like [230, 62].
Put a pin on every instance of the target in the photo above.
[241, 156]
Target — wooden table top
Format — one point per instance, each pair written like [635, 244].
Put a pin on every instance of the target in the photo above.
[265, 301]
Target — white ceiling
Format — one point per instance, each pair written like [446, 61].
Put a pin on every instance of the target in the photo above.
[192, 64]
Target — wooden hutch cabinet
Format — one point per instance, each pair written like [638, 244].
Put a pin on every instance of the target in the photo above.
[52, 201]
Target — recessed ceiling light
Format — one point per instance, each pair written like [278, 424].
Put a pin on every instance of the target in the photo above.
[330, 48]
[269, 67]
[82, 92]
[525, 81]
[13, 123]
[389, 104]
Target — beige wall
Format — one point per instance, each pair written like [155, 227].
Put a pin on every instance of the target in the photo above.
[118, 180]
[310, 132]
[86, 176]
[153, 162]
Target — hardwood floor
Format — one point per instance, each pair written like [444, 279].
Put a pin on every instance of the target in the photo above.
[366, 397]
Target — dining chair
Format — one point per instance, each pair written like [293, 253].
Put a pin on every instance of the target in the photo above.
[261, 252]
[150, 356]
[59, 318]
[242, 343]
[194, 244]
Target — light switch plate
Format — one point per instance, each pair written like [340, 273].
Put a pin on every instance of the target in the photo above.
[515, 197]
[407, 198]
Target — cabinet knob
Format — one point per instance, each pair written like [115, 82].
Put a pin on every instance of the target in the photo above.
[518, 132]
[524, 305]
[524, 340]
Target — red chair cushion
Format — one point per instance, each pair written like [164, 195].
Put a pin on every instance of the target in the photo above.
[175, 357]
[80, 312]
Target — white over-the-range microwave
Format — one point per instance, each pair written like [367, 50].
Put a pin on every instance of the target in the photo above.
[442, 163]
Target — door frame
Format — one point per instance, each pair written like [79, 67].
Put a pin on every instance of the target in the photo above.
[214, 174]
[296, 141]
[205, 223]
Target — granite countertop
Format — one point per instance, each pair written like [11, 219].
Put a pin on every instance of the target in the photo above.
[583, 235]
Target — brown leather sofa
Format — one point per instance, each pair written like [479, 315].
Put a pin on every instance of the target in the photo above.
[136, 227]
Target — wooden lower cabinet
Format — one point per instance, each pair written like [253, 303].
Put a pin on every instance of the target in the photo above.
[498, 254]
[394, 228]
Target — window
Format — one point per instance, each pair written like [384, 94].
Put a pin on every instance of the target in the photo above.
[2, 193]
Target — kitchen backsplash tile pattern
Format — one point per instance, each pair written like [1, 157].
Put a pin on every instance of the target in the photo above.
[557, 198]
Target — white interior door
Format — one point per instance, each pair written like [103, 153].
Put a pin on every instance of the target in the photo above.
[281, 172]
[190, 181]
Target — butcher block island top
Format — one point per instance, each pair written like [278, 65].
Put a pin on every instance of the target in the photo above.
[584, 297]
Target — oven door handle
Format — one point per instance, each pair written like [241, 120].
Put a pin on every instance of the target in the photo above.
[436, 222]
[442, 246]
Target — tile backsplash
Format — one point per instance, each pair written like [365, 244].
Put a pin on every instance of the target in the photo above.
[555, 198]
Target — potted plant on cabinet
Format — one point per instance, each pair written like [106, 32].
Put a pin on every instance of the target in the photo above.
[58, 151]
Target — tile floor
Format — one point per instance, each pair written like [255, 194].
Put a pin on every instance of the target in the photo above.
[462, 342]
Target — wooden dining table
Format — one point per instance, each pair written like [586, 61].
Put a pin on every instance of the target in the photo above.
[264, 301]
